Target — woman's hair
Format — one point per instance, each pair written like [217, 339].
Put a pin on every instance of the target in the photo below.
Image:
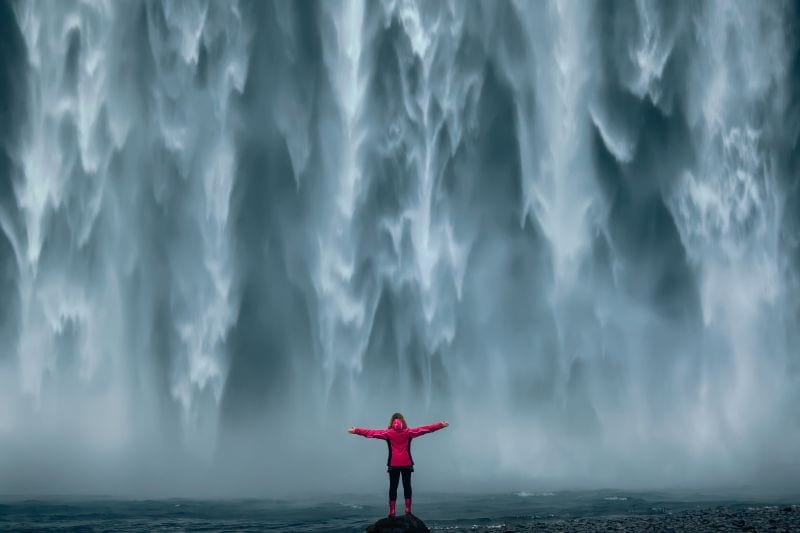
[395, 416]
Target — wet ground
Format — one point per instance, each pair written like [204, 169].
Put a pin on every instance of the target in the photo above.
[520, 511]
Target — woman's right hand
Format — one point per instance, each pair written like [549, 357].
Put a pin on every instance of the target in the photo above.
[351, 429]
[444, 424]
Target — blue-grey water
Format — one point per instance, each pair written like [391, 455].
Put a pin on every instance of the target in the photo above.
[229, 230]
[444, 512]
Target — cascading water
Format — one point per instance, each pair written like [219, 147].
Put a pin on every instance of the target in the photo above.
[230, 230]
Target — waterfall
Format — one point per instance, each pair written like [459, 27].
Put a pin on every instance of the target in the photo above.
[568, 228]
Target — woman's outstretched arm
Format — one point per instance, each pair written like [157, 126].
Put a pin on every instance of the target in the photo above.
[421, 430]
[369, 433]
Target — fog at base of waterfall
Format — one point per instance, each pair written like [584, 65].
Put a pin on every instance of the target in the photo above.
[231, 230]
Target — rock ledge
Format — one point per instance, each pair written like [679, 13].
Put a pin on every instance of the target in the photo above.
[407, 523]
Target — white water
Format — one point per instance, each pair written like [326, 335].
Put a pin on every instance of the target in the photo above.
[567, 228]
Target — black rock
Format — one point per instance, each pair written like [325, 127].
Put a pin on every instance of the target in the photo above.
[399, 524]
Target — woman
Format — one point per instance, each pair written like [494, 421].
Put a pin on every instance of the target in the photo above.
[398, 438]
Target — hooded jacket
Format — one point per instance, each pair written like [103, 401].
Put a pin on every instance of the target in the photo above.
[398, 438]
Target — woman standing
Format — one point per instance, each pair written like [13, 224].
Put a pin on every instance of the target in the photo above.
[398, 438]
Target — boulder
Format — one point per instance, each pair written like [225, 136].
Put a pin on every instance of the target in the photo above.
[407, 523]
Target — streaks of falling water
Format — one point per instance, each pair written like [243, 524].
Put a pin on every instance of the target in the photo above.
[569, 223]
[92, 149]
[345, 316]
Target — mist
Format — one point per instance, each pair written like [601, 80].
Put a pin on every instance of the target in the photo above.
[231, 230]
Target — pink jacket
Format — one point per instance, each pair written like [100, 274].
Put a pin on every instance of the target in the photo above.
[398, 438]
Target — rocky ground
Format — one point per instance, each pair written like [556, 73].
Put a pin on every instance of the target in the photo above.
[762, 518]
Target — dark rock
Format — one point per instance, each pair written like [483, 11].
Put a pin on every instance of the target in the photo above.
[399, 524]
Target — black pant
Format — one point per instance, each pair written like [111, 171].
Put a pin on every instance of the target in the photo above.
[394, 479]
